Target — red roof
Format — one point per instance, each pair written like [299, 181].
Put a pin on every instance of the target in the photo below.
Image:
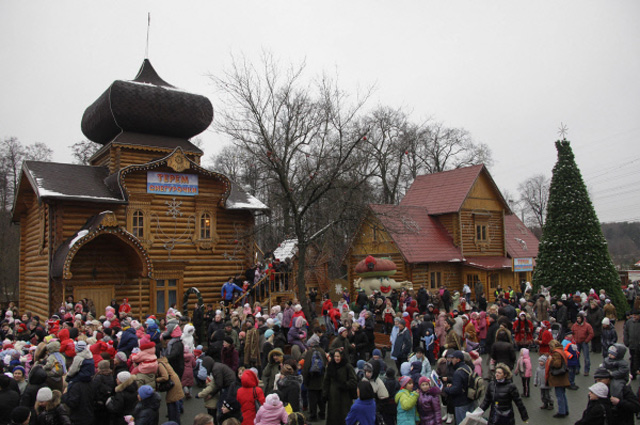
[521, 242]
[488, 263]
[419, 237]
[444, 192]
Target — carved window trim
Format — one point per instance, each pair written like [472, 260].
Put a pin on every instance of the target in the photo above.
[201, 240]
[481, 233]
[143, 207]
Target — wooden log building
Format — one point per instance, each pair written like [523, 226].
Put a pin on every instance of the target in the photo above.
[451, 228]
[144, 220]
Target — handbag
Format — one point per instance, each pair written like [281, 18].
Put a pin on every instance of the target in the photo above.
[560, 370]
[256, 402]
[165, 386]
[501, 417]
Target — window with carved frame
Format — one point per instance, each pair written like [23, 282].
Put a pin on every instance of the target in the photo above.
[205, 236]
[481, 234]
[138, 219]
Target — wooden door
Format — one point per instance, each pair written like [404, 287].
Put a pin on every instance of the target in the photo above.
[101, 296]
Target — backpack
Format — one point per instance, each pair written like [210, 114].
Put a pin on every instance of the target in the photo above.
[317, 365]
[202, 372]
[475, 387]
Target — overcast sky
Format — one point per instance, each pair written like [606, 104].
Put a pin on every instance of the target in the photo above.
[508, 71]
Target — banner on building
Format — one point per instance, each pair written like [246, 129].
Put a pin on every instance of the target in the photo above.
[523, 264]
[174, 184]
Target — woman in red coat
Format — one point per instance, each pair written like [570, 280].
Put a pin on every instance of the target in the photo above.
[523, 330]
[246, 396]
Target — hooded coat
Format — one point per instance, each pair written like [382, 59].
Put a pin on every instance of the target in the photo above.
[128, 341]
[175, 351]
[429, 406]
[247, 395]
[54, 413]
[189, 363]
[67, 347]
[619, 368]
[166, 372]
[37, 379]
[147, 410]
[272, 413]
[270, 371]
[338, 388]
[523, 367]
[123, 401]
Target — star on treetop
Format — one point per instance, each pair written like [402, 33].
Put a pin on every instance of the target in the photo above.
[563, 131]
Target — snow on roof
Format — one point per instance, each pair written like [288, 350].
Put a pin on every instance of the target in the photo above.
[287, 249]
[81, 234]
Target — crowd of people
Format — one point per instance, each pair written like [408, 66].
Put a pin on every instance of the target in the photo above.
[267, 366]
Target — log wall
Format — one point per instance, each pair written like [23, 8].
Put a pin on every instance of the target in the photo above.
[34, 259]
[451, 222]
[100, 263]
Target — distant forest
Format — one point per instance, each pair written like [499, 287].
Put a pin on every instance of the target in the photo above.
[624, 243]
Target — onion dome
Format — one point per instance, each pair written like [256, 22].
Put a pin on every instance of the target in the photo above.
[148, 105]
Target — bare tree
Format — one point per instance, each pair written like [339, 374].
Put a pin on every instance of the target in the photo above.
[304, 134]
[12, 154]
[442, 148]
[388, 145]
[534, 195]
[83, 150]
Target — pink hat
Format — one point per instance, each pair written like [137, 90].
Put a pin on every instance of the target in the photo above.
[424, 379]
[404, 380]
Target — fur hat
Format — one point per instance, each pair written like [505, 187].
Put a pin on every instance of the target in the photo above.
[606, 322]
[123, 376]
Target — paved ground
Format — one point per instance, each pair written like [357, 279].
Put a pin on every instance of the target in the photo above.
[577, 399]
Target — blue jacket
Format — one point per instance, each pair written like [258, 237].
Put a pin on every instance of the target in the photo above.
[228, 289]
[128, 341]
[362, 411]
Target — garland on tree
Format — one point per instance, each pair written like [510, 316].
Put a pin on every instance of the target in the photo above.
[573, 254]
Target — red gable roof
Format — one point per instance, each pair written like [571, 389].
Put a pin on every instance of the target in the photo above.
[519, 239]
[419, 237]
[444, 192]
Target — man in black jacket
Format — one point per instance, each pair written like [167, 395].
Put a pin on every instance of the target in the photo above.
[625, 407]
[456, 390]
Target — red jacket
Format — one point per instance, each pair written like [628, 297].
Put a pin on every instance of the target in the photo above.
[582, 333]
[326, 306]
[245, 396]
[523, 330]
[545, 339]
[67, 346]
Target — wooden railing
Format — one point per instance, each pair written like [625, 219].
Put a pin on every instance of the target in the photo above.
[266, 290]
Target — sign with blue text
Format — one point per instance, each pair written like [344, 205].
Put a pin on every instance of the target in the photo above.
[174, 184]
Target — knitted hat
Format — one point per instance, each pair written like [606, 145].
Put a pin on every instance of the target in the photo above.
[123, 376]
[342, 329]
[613, 350]
[268, 333]
[367, 367]
[44, 394]
[144, 391]
[404, 380]
[19, 367]
[20, 414]
[563, 297]
[360, 364]
[122, 356]
[424, 379]
[600, 389]
[80, 346]
[377, 352]
[228, 405]
[228, 340]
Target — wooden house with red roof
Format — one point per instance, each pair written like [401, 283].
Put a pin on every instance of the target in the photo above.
[451, 228]
[144, 221]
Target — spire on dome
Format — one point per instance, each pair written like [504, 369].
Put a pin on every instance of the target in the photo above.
[147, 74]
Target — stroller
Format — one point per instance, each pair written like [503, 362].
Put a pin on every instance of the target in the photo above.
[533, 347]
[556, 331]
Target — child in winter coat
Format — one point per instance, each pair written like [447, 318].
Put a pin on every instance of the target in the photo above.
[573, 358]
[477, 362]
[272, 412]
[388, 314]
[539, 381]
[388, 406]
[619, 368]
[523, 368]
[406, 399]
[428, 403]
[363, 410]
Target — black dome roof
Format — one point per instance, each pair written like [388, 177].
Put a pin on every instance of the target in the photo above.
[147, 104]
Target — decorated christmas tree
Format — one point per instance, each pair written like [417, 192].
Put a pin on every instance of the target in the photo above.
[573, 254]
